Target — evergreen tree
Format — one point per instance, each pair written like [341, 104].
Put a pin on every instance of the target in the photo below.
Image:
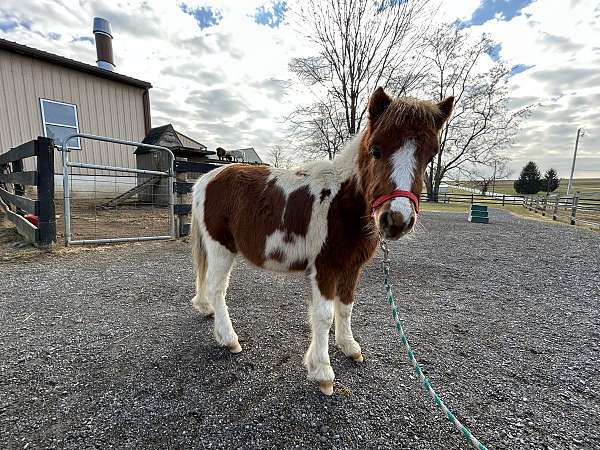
[550, 182]
[529, 181]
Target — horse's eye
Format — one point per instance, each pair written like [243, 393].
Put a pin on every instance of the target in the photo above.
[376, 152]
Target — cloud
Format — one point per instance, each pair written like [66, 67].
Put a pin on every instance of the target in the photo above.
[561, 76]
[220, 68]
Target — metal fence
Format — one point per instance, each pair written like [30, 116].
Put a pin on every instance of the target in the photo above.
[106, 204]
[582, 208]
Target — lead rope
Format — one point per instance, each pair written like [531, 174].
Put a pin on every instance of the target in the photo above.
[411, 357]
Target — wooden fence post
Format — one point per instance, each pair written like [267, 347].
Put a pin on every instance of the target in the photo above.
[45, 191]
[545, 205]
[574, 208]
[17, 166]
[555, 212]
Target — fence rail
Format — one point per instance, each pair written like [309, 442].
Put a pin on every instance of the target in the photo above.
[40, 226]
[582, 208]
[445, 197]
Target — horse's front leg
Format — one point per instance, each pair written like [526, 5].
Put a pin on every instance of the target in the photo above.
[344, 300]
[316, 359]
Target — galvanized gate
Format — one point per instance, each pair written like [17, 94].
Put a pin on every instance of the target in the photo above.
[67, 165]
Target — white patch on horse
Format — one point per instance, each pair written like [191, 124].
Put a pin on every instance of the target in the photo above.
[318, 176]
[316, 358]
[403, 167]
[344, 338]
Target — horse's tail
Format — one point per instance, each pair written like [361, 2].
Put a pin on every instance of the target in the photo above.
[199, 258]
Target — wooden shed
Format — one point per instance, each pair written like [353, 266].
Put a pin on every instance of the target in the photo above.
[183, 147]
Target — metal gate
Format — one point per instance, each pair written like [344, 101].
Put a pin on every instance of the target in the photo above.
[67, 165]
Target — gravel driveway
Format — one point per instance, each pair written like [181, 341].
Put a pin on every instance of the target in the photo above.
[101, 349]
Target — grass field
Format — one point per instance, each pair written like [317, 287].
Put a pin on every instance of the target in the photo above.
[464, 208]
[579, 184]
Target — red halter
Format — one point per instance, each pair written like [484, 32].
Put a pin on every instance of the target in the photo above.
[397, 193]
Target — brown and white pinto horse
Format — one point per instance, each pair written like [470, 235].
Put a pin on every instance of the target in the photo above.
[322, 220]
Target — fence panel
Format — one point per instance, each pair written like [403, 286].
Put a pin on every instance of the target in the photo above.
[33, 218]
[106, 204]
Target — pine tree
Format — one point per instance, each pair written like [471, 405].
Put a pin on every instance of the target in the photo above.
[529, 181]
[550, 182]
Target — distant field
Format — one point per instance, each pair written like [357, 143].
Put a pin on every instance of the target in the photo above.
[580, 184]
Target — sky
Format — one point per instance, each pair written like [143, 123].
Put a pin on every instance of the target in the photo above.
[219, 68]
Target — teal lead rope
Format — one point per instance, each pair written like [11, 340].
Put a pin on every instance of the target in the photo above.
[411, 357]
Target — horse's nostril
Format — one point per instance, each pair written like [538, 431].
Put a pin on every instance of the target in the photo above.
[411, 223]
[386, 220]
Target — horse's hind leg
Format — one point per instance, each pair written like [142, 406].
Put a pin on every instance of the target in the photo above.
[316, 359]
[220, 261]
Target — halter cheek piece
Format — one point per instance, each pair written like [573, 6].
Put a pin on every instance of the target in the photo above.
[397, 193]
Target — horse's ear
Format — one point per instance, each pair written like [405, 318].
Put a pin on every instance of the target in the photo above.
[378, 103]
[445, 107]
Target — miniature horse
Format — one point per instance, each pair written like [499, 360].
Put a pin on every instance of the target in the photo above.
[322, 220]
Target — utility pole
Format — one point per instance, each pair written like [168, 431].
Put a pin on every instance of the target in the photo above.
[570, 187]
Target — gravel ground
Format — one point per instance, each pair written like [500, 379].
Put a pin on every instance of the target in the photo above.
[101, 349]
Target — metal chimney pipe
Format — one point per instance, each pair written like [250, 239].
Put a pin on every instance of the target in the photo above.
[104, 51]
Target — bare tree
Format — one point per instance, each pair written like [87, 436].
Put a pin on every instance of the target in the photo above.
[317, 129]
[484, 176]
[481, 125]
[362, 44]
[278, 157]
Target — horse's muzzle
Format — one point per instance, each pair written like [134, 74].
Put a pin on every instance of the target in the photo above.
[393, 225]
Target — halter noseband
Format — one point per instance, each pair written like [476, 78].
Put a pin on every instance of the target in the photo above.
[397, 193]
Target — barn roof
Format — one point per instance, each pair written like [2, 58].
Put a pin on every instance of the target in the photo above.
[251, 155]
[21, 49]
[167, 137]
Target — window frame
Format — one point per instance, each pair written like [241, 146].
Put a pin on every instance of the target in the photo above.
[44, 122]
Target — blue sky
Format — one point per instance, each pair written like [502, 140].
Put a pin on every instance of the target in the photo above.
[489, 9]
[271, 14]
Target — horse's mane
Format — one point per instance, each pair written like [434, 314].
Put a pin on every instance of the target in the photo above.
[407, 109]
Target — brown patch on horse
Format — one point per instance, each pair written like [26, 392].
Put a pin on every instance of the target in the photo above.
[350, 242]
[276, 255]
[324, 194]
[298, 211]
[242, 208]
[299, 265]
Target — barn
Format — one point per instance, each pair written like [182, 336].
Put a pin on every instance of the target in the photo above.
[43, 94]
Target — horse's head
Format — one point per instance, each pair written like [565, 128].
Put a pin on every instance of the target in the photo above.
[399, 141]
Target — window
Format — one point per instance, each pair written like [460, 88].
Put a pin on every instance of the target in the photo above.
[59, 121]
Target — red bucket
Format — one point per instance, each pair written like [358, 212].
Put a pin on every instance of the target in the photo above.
[33, 219]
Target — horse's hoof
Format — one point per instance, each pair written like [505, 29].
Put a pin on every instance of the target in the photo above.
[358, 357]
[326, 387]
[235, 347]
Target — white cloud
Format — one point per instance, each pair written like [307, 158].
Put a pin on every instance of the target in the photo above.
[223, 84]
[560, 40]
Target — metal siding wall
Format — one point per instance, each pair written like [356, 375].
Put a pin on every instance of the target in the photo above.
[104, 107]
